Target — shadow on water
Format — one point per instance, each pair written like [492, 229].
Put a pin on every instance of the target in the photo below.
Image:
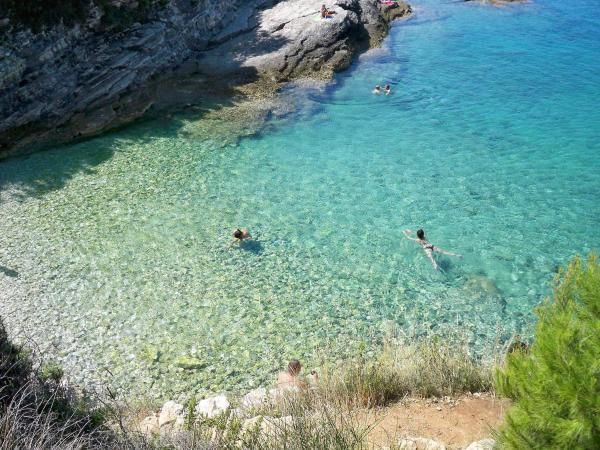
[251, 246]
[192, 95]
[8, 272]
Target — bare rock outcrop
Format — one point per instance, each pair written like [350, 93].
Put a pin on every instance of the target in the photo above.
[65, 83]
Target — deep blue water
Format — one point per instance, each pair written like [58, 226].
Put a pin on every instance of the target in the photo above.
[490, 141]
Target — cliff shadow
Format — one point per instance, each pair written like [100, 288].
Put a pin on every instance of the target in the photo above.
[206, 84]
[51, 168]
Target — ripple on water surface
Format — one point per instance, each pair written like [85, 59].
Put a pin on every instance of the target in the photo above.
[115, 252]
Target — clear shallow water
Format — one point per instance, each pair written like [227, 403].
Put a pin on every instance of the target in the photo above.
[490, 142]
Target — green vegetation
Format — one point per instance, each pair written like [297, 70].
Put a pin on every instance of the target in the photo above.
[41, 14]
[37, 14]
[428, 368]
[36, 410]
[556, 384]
[300, 422]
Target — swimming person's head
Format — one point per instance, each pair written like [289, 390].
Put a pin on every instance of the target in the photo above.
[238, 234]
[294, 367]
[387, 87]
[420, 233]
[377, 87]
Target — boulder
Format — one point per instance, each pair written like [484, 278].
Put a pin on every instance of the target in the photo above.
[252, 425]
[150, 425]
[484, 444]
[171, 416]
[418, 443]
[212, 407]
[255, 398]
[273, 426]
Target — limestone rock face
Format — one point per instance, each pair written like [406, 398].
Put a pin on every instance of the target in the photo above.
[212, 407]
[66, 83]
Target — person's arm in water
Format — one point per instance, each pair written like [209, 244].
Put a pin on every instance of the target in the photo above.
[407, 235]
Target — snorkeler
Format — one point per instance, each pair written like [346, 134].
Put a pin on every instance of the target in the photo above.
[240, 234]
[388, 89]
[377, 90]
[428, 247]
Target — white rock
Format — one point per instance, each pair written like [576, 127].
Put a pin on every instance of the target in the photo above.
[171, 414]
[411, 443]
[149, 425]
[274, 426]
[251, 425]
[484, 444]
[255, 398]
[213, 406]
[275, 394]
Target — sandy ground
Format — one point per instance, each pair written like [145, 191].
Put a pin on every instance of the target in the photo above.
[456, 422]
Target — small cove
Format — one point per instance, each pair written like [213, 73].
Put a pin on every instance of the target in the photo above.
[115, 252]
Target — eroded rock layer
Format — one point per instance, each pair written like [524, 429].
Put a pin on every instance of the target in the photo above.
[64, 83]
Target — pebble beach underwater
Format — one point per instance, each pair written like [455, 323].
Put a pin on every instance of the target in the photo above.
[115, 252]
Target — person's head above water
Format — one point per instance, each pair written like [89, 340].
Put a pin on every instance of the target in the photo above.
[238, 234]
[294, 367]
[420, 233]
[387, 87]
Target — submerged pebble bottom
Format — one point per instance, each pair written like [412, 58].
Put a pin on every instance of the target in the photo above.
[115, 253]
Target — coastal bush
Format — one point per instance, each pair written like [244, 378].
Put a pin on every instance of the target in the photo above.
[555, 384]
[37, 14]
[297, 422]
[40, 14]
[428, 368]
[38, 412]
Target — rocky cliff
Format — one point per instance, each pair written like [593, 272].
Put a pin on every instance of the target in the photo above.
[67, 82]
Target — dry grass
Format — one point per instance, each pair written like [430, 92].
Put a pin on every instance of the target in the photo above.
[428, 368]
[38, 412]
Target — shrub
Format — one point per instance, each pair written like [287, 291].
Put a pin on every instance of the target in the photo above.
[38, 412]
[426, 368]
[51, 371]
[556, 384]
[36, 14]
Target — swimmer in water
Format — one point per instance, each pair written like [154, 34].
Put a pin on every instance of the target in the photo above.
[240, 234]
[428, 247]
[388, 89]
[377, 90]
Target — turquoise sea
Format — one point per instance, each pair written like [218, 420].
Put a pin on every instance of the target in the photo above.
[115, 252]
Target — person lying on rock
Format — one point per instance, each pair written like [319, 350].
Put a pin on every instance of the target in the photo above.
[325, 12]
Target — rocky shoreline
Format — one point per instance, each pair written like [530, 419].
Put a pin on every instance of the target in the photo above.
[67, 83]
[259, 413]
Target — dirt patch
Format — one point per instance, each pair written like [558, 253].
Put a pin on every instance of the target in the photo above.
[454, 421]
